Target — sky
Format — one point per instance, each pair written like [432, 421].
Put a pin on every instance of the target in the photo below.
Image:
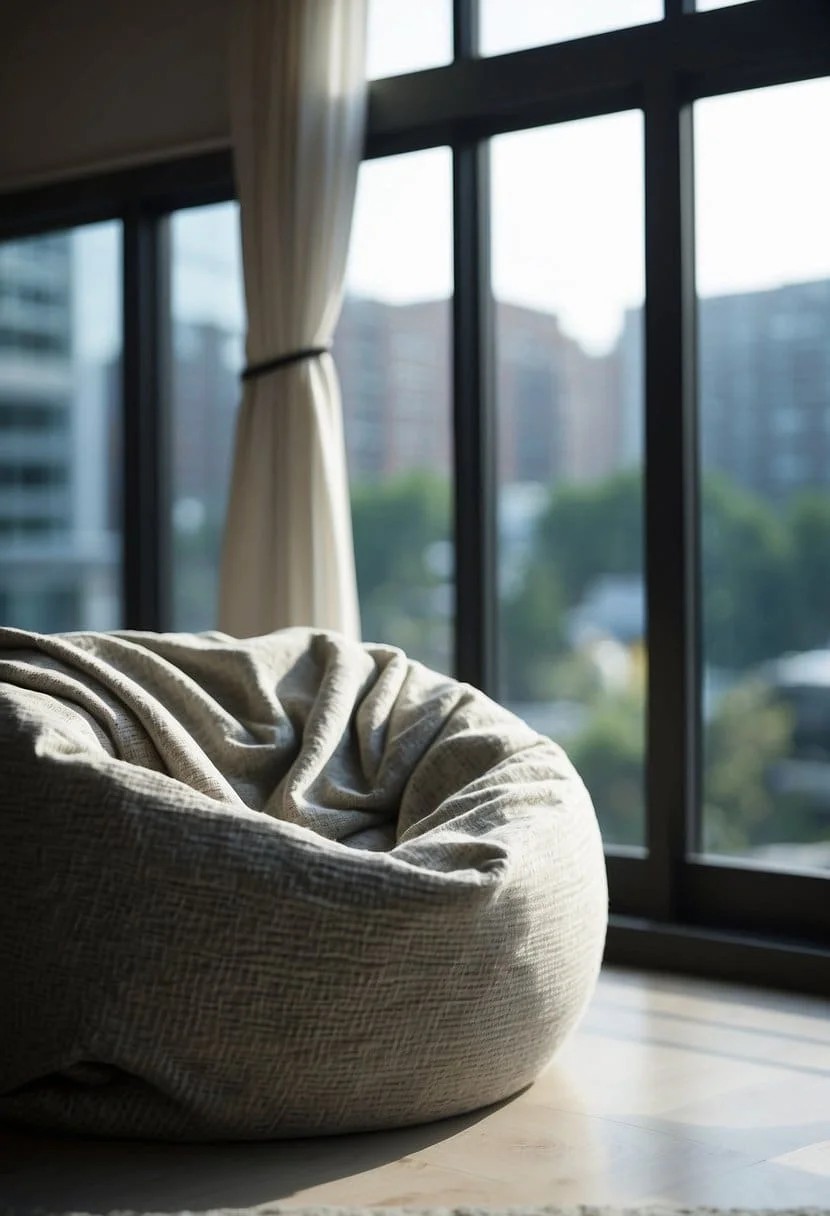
[567, 201]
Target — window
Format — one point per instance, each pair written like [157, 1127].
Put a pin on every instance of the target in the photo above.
[766, 492]
[207, 317]
[60, 348]
[567, 221]
[392, 350]
[584, 367]
[702, 5]
[407, 37]
[511, 25]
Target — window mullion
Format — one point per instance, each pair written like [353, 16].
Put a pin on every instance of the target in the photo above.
[465, 28]
[146, 448]
[678, 8]
[671, 492]
[474, 420]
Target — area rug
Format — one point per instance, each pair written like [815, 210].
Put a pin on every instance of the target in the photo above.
[465, 1210]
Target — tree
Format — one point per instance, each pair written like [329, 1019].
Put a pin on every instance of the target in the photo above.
[195, 585]
[399, 527]
[747, 735]
[609, 755]
[763, 575]
[532, 635]
[808, 521]
[592, 530]
[585, 531]
[749, 605]
[765, 591]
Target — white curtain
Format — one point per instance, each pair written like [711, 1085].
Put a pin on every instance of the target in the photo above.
[298, 96]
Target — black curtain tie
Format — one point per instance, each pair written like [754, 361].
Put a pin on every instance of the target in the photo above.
[254, 370]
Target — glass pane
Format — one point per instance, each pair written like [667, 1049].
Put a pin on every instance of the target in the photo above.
[208, 320]
[569, 281]
[513, 25]
[701, 6]
[60, 437]
[393, 354]
[763, 266]
[407, 37]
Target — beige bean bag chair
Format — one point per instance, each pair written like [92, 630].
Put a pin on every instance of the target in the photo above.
[278, 887]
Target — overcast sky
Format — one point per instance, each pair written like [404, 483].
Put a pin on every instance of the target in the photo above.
[567, 200]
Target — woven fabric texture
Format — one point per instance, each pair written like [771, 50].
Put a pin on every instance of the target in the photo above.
[650, 1209]
[278, 887]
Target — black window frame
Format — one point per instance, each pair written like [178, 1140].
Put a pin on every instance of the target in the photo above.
[671, 908]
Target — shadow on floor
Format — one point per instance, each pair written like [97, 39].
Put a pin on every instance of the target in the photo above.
[42, 1174]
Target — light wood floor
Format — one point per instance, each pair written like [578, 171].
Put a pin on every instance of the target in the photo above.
[672, 1090]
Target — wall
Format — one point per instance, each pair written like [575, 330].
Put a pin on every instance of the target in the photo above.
[87, 85]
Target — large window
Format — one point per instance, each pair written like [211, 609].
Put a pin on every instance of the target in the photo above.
[586, 393]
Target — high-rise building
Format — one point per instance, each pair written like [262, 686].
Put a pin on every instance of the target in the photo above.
[58, 550]
[558, 407]
[206, 391]
[765, 388]
[394, 366]
[558, 415]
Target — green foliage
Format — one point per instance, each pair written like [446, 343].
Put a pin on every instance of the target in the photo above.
[765, 592]
[809, 525]
[764, 581]
[575, 677]
[609, 755]
[397, 526]
[532, 635]
[749, 597]
[749, 733]
[195, 586]
[591, 530]
[585, 531]
[394, 523]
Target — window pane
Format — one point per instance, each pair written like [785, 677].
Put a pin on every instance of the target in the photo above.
[763, 265]
[60, 437]
[407, 37]
[393, 353]
[701, 6]
[208, 319]
[513, 25]
[568, 280]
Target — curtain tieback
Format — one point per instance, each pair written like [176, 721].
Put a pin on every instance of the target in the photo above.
[254, 370]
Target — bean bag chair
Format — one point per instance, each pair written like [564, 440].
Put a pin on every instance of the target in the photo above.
[277, 887]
